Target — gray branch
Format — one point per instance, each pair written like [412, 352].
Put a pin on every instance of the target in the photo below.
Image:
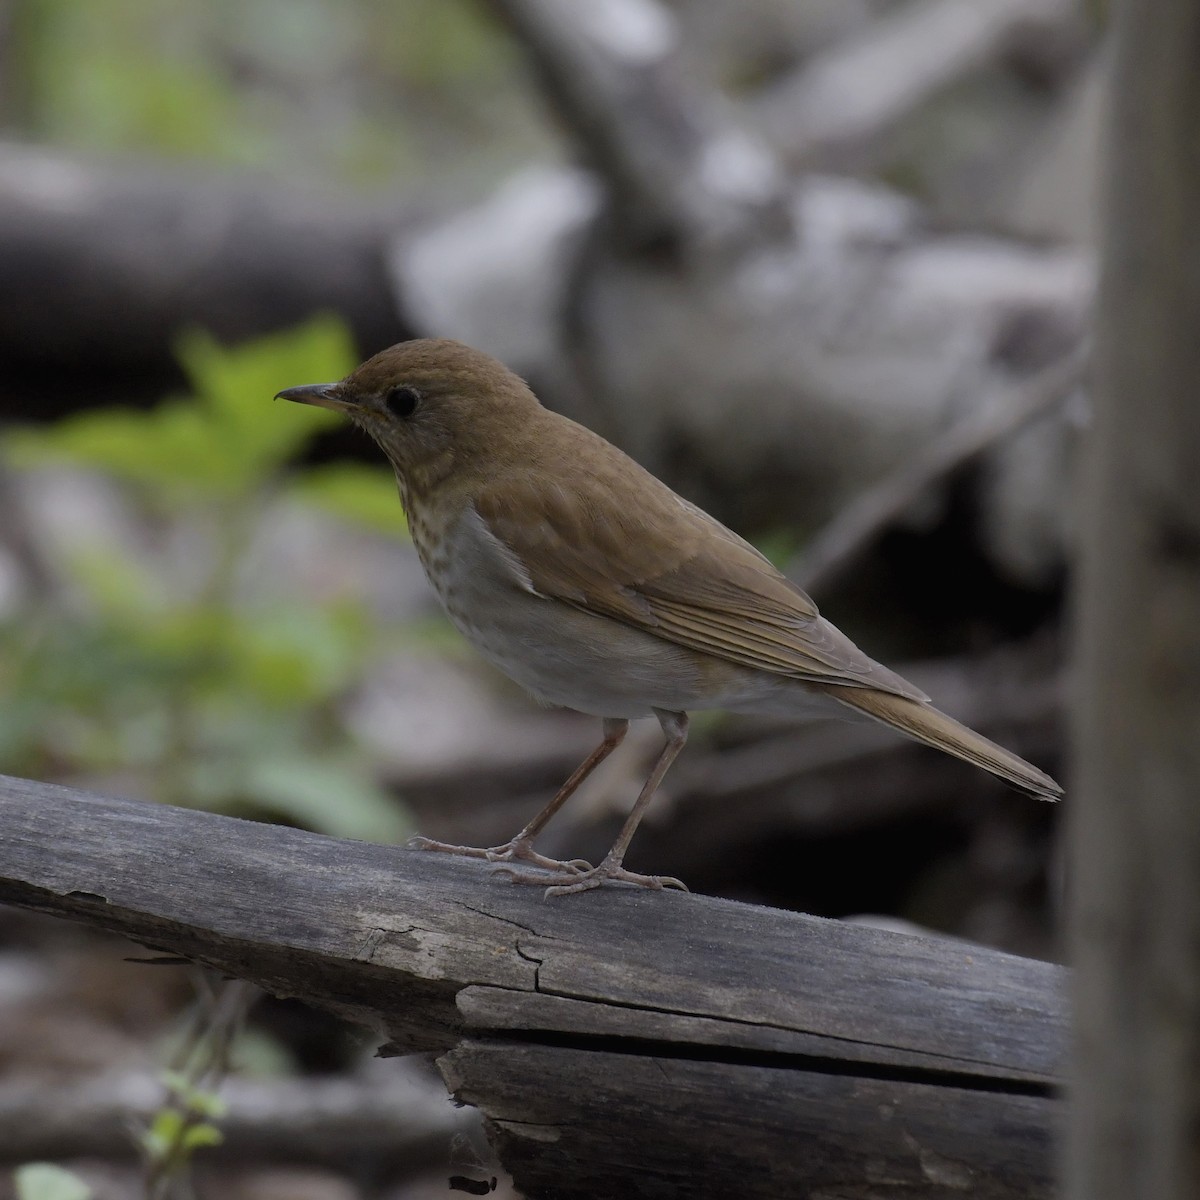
[104, 263]
[855, 92]
[838, 546]
[677, 166]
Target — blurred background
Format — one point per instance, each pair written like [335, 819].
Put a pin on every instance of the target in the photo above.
[824, 265]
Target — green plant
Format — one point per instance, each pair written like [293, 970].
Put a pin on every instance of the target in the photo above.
[45, 1181]
[186, 1121]
[171, 664]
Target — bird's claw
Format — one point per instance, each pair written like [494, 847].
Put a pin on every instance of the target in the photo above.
[423, 843]
[565, 883]
[517, 850]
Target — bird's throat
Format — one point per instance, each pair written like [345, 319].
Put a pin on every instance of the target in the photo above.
[418, 482]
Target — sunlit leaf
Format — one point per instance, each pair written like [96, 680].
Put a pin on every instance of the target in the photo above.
[220, 443]
[235, 385]
[164, 1130]
[296, 654]
[198, 1136]
[170, 451]
[259, 1055]
[207, 1104]
[326, 797]
[45, 1181]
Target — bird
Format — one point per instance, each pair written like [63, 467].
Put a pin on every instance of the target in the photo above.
[596, 587]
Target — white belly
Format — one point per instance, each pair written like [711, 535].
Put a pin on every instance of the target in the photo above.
[559, 654]
[565, 656]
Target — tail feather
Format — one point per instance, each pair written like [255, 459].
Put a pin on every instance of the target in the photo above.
[926, 724]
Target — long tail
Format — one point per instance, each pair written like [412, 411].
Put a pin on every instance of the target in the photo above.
[923, 722]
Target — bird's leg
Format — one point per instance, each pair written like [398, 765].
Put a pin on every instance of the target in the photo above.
[520, 848]
[675, 726]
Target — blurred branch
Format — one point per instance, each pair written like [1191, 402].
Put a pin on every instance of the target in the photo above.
[678, 168]
[857, 91]
[104, 264]
[182, 1121]
[842, 541]
[398, 1121]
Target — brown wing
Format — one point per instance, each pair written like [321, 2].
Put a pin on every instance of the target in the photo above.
[661, 564]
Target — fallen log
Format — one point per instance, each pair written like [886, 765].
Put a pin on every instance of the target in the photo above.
[619, 1042]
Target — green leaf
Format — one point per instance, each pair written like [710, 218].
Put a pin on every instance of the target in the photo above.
[293, 656]
[327, 797]
[169, 450]
[196, 1100]
[176, 1082]
[361, 495]
[219, 444]
[234, 386]
[153, 1146]
[257, 1054]
[202, 1135]
[117, 584]
[45, 1181]
[165, 1129]
[207, 1104]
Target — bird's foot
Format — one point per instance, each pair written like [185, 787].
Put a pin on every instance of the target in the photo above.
[521, 850]
[423, 843]
[574, 880]
[518, 850]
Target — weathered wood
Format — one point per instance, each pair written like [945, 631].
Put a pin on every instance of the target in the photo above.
[707, 1128]
[1135, 833]
[619, 1042]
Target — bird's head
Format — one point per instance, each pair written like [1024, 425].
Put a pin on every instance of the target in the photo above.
[432, 404]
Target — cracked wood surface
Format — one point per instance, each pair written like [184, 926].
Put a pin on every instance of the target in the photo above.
[619, 1042]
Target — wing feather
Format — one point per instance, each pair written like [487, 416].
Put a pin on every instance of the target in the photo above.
[671, 569]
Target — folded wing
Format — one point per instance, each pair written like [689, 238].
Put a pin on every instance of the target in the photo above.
[669, 568]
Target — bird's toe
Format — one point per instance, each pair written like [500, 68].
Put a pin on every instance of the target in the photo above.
[423, 843]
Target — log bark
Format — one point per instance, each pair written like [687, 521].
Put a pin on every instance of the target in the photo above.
[619, 1042]
[1136, 832]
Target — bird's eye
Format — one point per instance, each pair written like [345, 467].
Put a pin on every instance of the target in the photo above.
[402, 401]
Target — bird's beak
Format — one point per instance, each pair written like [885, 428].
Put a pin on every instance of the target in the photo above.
[323, 395]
